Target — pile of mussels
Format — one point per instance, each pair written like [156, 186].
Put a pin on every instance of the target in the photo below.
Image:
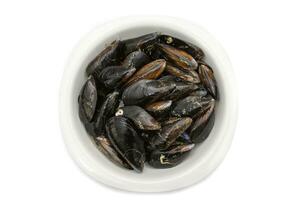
[148, 99]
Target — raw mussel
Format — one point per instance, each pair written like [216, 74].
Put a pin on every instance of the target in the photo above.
[191, 49]
[185, 75]
[159, 108]
[189, 106]
[109, 56]
[171, 132]
[201, 127]
[182, 87]
[146, 91]
[107, 110]
[144, 43]
[169, 157]
[105, 146]
[178, 57]
[113, 76]
[88, 99]
[126, 141]
[150, 71]
[136, 60]
[142, 119]
[207, 78]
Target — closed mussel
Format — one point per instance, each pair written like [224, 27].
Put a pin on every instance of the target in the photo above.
[142, 119]
[170, 157]
[126, 141]
[207, 78]
[109, 56]
[191, 49]
[178, 57]
[146, 91]
[105, 146]
[136, 60]
[150, 71]
[185, 75]
[88, 100]
[171, 132]
[113, 76]
[182, 87]
[144, 43]
[201, 127]
[107, 110]
[159, 108]
[189, 106]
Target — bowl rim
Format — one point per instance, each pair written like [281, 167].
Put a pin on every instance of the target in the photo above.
[193, 175]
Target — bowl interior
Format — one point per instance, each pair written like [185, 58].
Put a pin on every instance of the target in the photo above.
[98, 163]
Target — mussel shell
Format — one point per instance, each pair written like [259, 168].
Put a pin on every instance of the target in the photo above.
[109, 56]
[170, 133]
[105, 146]
[184, 138]
[159, 108]
[201, 91]
[182, 88]
[185, 75]
[126, 141]
[88, 99]
[136, 60]
[142, 119]
[146, 91]
[107, 110]
[178, 57]
[170, 120]
[191, 49]
[113, 76]
[144, 42]
[189, 106]
[202, 126]
[207, 78]
[170, 157]
[150, 71]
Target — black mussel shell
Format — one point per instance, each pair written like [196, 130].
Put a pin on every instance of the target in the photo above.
[178, 57]
[202, 126]
[144, 42]
[113, 76]
[184, 138]
[107, 110]
[189, 106]
[185, 75]
[142, 119]
[149, 71]
[159, 108]
[191, 49]
[170, 120]
[136, 60]
[146, 91]
[109, 56]
[126, 141]
[105, 146]
[207, 78]
[182, 88]
[201, 92]
[170, 133]
[170, 157]
[88, 99]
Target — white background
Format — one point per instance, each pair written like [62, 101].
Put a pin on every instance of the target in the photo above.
[262, 39]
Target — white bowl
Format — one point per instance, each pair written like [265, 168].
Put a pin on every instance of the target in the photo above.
[201, 161]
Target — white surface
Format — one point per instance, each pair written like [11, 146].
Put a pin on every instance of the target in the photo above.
[201, 161]
[262, 41]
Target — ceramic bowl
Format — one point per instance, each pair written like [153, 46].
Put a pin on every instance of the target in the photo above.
[201, 161]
